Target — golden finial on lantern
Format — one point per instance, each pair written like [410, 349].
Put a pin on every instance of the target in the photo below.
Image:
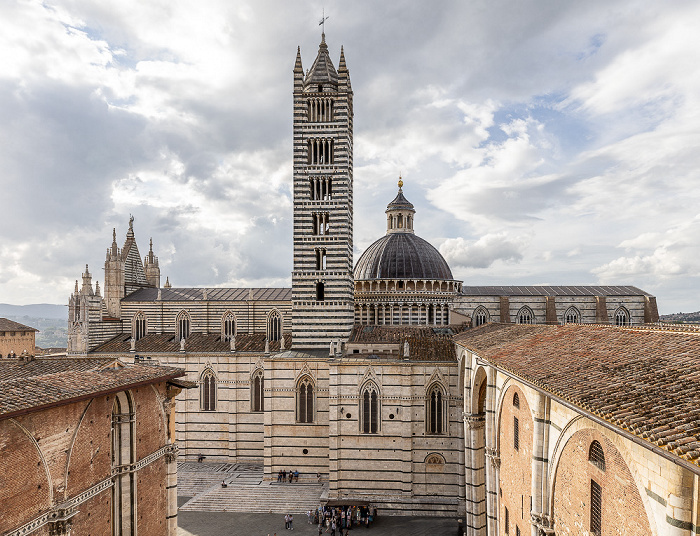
[400, 182]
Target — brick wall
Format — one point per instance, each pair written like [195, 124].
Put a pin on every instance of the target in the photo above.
[515, 484]
[17, 342]
[622, 508]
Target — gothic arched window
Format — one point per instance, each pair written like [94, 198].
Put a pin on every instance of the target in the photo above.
[435, 409]
[516, 401]
[525, 316]
[622, 317]
[596, 455]
[257, 391]
[572, 316]
[138, 329]
[305, 400]
[274, 326]
[183, 325]
[480, 317]
[369, 412]
[228, 327]
[207, 390]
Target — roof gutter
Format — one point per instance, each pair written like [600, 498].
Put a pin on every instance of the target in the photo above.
[685, 464]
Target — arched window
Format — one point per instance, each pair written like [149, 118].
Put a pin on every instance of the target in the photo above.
[305, 400]
[516, 401]
[183, 325]
[274, 326]
[369, 412]
[572, 316]
[622, 317]
[228, 327]
[525, 316]
[435, 409]
[257, 391]
[123, 455]
[207, 390]
[138, 329]
[480, 317]
[596, 455]
[596, 508]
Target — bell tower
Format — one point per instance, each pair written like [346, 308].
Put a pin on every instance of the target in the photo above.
[322, 282]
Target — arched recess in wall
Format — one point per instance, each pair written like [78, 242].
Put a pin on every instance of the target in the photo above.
[207, 390]
[572, 316]
[257, 390]
[123, 455]
[609, 439]
[436, 409]
[478, 401]
[370, 408]
[306, 400]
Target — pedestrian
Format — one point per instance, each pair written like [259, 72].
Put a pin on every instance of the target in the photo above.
[296, 475]
[284, 475]
[286, 521]
[291, 520]
[291, 475]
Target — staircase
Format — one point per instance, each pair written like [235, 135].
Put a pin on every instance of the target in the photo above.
[245, 492]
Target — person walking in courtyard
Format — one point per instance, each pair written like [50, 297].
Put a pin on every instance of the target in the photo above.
[291, 520]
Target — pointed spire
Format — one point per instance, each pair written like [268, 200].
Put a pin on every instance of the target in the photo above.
[97, 288]
[167, 283]
[76, 287]
[342, 67]
[297, 64]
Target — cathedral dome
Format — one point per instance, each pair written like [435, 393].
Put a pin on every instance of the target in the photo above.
[402, 256]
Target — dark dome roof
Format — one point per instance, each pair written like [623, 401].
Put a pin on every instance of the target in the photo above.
[402, 256]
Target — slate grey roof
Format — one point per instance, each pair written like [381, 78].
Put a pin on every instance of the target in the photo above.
[554, 290]
[213, 294]
[402, 256]
[400, 202]
[322, 71]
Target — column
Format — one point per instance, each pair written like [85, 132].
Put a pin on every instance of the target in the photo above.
[493, 460]
[474, 443]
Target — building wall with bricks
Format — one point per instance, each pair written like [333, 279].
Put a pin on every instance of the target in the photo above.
[642, 492]
[60, 461]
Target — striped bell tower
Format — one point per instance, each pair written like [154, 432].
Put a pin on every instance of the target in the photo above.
[322, 282]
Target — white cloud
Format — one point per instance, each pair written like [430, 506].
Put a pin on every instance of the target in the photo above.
[482, 253]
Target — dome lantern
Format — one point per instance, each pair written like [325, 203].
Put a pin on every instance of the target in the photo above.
[399, 213]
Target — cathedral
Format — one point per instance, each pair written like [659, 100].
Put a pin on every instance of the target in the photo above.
[363, 373]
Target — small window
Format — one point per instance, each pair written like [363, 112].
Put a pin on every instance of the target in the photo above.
[516, 434]
[139, 326]
[596, 507]
[183, 325]
[596, 455]
[622, 317]
[481, 317]
[321, 259]
[517, 530]
[516, 401]
[228, 327]
[572, 316]
[400, 284]
[320, 291]
[274, 326]
[320, 88]
[525, 316]
[257, 392]
[507, 521]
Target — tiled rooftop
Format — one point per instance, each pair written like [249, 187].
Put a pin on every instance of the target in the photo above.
[553, 290]
[212, 294]
[425, 343]
[196, 342]
[49, 381]
[643, 380]
[9, 325]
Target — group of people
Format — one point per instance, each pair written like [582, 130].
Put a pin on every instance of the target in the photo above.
[339, 520]
[288, 520]
[292, 475]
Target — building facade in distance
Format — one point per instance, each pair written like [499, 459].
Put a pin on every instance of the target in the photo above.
[16, 338]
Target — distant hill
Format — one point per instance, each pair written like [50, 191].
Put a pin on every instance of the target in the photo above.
[51, 321]
[36, 310]
[693, 318]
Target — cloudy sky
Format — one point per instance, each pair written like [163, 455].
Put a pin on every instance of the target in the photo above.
[542, 142]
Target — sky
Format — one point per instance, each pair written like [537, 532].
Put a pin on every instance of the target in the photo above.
[541, 142]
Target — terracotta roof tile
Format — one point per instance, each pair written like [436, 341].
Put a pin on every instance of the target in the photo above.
[643, 380]
[9, 325]
[27, 385]
[425, 343]
[196, 342]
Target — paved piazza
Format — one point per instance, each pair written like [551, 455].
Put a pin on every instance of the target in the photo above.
[249, 506]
